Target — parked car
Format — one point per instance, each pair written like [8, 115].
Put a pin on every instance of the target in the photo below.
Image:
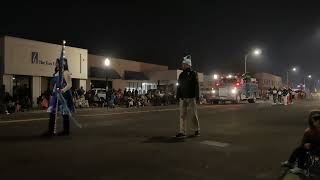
[101, 92]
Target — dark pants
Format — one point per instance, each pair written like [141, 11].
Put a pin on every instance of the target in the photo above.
[52, 122]
[274, 96]
[300, 154]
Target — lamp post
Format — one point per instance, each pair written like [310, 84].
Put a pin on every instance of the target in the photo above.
[304, 81]
[215, 76]
[294, 70]
[255, 52]
[107, 64]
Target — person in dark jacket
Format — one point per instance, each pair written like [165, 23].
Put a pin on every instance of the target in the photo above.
[188, 95]
[310, 143]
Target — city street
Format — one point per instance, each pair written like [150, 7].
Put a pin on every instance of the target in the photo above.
[237, 142]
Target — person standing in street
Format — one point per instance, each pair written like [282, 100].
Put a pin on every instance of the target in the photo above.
[56, 106]
[274, 95]
[188, 95]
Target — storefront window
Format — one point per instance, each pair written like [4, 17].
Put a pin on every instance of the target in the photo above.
[22, 88]
[142, 87]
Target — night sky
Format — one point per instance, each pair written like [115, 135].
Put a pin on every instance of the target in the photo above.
[217, 34]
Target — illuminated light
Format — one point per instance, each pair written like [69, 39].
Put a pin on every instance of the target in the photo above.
[229, 76]
[234, 91]
[13, 78]
[177, 84]
[107, 62]
[213, 91]
[257, 52]
[238, 84]
[215, 76]
[217, 84]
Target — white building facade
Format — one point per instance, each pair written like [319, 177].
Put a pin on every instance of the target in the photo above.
[27, 66]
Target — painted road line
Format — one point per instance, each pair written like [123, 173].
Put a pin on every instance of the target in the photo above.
[106, 114]
[23, 120]
[215, 143]
[89, 115]
[126, 112]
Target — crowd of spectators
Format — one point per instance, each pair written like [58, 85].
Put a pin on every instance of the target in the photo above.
[115, 98]
[93, 98]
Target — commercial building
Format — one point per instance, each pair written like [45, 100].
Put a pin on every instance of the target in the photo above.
[121, 74]
[130, 75]
[266, 81]
[27, 66]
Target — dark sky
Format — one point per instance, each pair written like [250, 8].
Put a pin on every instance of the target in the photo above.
[216, 33]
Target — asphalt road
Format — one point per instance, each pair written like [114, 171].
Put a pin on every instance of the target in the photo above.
[244, 141]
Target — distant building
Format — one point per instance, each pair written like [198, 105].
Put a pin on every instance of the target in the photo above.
[266, 81]
[130, 75]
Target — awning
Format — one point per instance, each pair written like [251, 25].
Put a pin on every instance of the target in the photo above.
[101, 73]
[132, 75]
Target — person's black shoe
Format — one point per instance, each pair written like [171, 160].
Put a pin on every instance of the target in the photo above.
[197, 133]
[63, 133]
[181, 136]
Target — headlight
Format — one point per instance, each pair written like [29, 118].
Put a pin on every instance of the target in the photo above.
[234, 91]
[213, 91]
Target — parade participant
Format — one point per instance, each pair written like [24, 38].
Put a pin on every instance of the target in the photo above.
[279, 95]
[290, 98]
[61, 99]
[274, 95]
[188, 94]
[269, 94]
[285, 96]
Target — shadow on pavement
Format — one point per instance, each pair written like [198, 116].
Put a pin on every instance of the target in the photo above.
[163, 139]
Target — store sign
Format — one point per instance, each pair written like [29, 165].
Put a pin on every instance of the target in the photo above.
[36, 60]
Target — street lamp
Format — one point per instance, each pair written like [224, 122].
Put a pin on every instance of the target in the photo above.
[255, 52]
[215, 76]
[304, 81]
[294, 69]
[107, 64]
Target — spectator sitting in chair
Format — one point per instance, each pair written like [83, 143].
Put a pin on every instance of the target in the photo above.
[310, 143]
[130, 102]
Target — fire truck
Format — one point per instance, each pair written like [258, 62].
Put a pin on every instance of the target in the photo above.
[234, 89]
